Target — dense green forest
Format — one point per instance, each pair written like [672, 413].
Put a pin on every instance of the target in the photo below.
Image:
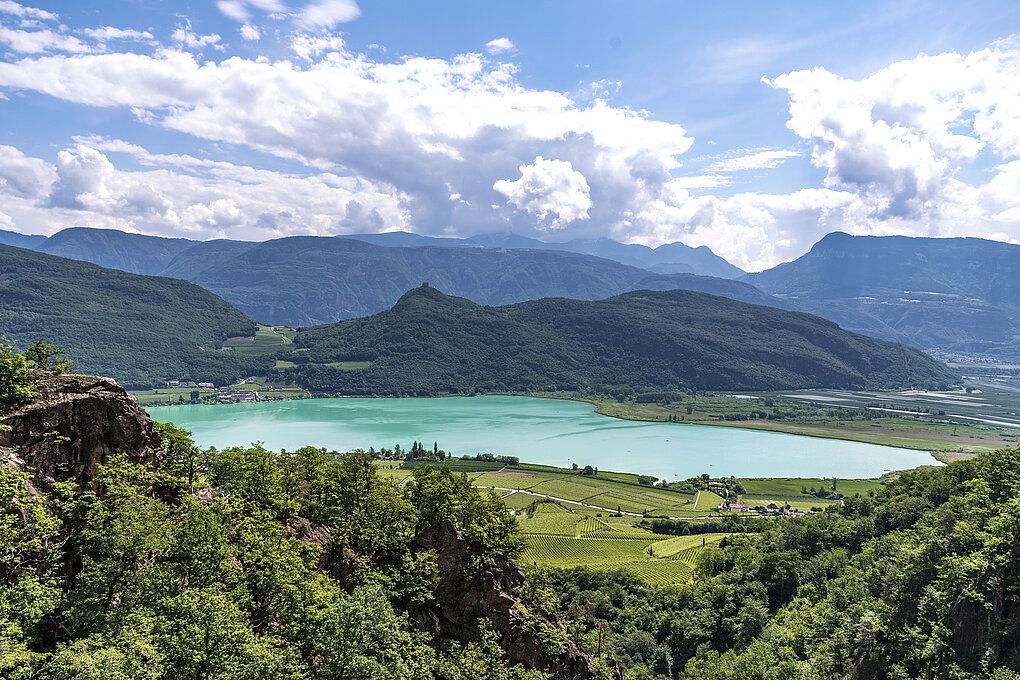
[917, 581]
[141, 330]
[133, 576]
[431, 343]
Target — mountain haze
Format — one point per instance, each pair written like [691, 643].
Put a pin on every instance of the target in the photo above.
[13, 238]
[307, 280]
[669, 258]
[955, 294]
[432, 343]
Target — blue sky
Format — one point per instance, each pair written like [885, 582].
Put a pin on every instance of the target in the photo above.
[753, 128]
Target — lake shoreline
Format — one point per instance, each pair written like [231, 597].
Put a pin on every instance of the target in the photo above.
[600, 408]
[518, 425]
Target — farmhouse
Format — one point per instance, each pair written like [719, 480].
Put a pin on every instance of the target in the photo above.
[739, 507]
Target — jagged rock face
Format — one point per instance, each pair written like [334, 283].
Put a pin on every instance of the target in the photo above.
[76, 424]
[336, 561]
[465, 594]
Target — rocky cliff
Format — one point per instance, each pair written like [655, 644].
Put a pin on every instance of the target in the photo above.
[75, 425]
[465, 593]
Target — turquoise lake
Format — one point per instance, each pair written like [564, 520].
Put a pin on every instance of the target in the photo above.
[549, 431]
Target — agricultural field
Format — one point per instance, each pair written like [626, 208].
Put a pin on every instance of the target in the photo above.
[672, 547]
[605, 492]
[562, 537]
[952, 424]
[569, 519]
[707, 501]
[267, 339]
[349, 365]
[800, 493]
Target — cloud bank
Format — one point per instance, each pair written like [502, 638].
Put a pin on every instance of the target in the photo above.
[461, 145]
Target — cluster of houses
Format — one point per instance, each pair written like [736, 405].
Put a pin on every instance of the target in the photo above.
[234, 393]
[771, 508]
[185, 383]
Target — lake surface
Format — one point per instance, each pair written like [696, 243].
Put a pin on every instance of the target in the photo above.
[548, 431]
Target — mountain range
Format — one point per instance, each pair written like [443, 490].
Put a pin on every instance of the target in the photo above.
[431, 343]
[306, 280]
[669, 258]
[959, 295]
[155, 255]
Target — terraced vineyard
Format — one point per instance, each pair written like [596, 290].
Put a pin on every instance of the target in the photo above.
[570, 520]
[608, 492]
[671, 547]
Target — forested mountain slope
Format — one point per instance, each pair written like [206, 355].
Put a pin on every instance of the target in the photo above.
[138, 329]
[305, 280]
[430, 342]
[323, 279]
[956, 294]
[115, 249]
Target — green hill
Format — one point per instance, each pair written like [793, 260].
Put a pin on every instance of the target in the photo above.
[956, 294]
[140, 330]
[432, 343]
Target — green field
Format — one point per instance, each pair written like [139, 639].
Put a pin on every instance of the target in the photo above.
[708, 501]
[606, 492]
[267, 339]
[581, 529]
[561, 537]
[349, 365]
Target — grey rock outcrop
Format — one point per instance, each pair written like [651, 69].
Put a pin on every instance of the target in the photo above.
[74, 425]
[464, 594]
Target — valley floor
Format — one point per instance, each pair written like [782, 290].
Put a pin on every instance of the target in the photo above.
[604, 520]
[952, 425]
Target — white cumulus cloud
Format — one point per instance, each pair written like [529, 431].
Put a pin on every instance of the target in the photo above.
[184, 36]
[107, 33]
[250, 32]
[463, 145]
[551, 190]
[500, 46]
[43, 40]
[15, 9]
